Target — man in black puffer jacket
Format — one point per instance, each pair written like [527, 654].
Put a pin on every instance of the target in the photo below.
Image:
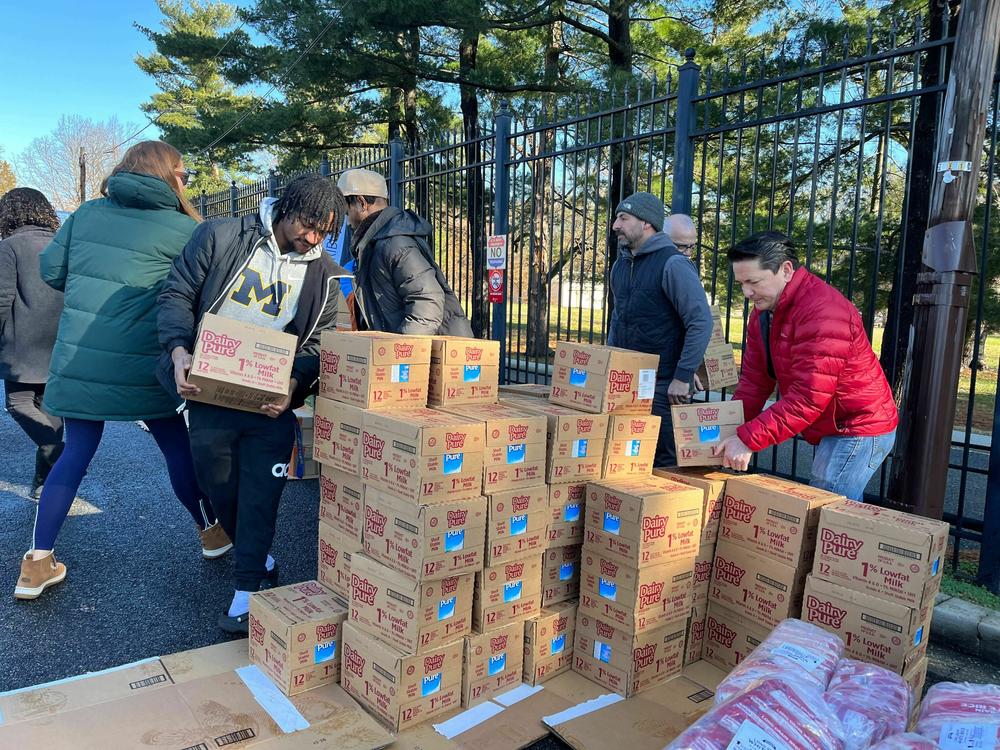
[398, 287]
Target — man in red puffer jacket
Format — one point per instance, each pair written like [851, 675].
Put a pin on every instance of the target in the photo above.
[807, 339]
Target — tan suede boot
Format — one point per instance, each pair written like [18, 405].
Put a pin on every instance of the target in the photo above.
[37, 575]
[214, 542]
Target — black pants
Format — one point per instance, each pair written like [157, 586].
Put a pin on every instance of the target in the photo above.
[24, 403]
[241, 460]
[666, 450]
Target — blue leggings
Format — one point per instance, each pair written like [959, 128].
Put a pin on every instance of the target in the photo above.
[82, 436]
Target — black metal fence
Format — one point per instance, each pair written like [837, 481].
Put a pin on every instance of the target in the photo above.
[822, 145]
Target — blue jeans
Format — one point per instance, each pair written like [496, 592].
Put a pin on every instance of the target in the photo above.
[844, 464]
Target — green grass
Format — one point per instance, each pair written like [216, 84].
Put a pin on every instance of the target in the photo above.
[970, 592]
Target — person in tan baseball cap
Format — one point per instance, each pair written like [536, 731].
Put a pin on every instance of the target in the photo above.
[398, 286]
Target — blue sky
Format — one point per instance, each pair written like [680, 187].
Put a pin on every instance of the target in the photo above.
[67, 57]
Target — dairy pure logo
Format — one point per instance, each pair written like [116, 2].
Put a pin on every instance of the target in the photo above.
[329, 362]
[613, 503]
[328, 554]
[327, 489]
[637, 426]
[374, 521]
[457, 518]
[433, 663]
[728, 571]
[702, 571]
[560, 625]
[707, 414]
[519, 503]
[403, 351]
[473, 354]
[256, 631]
[498, 644]
[326, 632]
[654, 527]
[449, 586]
[621, 381]
[584, 426]
[517, 433]
[604, 630]
[580, 358]
[363, 590]
[219, 343]
[739, 510]
[514, 571]
[644, 655]
[454, 441]
[840, 545]
[608, 569]
[650, 593]
[721, 633]
[353, 661]
[374, 445]
[323, 427]
[577, 492]
[825, 613]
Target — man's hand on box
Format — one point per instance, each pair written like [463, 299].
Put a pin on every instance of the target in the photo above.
[679, 392]
[734, 452]
[182, 365]
[276, 408]
[698, 387]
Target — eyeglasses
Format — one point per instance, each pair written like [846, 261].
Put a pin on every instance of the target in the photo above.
[185, 175]
[686, 247]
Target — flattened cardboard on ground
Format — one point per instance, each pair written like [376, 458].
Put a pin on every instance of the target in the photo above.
[334, 559]
[196, 663]
[464, 370]
[755, 585]
[560, 574]
[374, 370]
[730, 637]
[774, 517]
[425, 542]
[525, 390]
[874, 629]
[337, 435]
[423, 455]
[295, 635]
[509, 592]
[342, 502]
[643, 520]
[567, 503]
[216, 711]
[400, 690]
[548, 643]
[411, 617]
[639, 599]
[516, 524]
[603, 379]
[85, 690]
[577, 441]
[880, 551]
[238, 365]
[713, 483]
[493, 663]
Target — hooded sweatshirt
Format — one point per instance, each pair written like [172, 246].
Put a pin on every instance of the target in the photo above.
[266, 293]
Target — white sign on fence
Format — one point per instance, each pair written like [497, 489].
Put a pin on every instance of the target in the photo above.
[496, 251]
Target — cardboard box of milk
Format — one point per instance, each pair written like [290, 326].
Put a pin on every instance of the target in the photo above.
[700, 427]
[508, 592]
[548, 642]
[560, 574]
[374, 370]
[713, 483]
[603, 379]
[632, 443]
[577, 441]
[337, 435]
[517, 524]
[494, 663]
[342, 502]
[567, 505]
[240, 366]
[463, 371]
[334, 559]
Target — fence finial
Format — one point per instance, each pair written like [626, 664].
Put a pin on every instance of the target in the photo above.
[689, 55]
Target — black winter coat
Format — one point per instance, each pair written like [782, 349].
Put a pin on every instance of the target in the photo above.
[398, 286]
[204, 272]
[29, 308]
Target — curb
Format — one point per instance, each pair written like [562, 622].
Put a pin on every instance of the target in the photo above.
[966, 627]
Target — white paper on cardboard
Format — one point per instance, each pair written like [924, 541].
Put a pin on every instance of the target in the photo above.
[515, 695]
[647, 384]
[466, 720]
[272, 700]
[582, 709]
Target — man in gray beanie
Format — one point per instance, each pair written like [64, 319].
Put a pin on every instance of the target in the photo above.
[660, 308]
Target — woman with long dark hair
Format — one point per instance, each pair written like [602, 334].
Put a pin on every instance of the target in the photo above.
[110, 259]
[29, 316]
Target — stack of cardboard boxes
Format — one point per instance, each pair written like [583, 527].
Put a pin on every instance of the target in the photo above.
[873, 583]
[700, 427]
[718, 369]
[767, 538]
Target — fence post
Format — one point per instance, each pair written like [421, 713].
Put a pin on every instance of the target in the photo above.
[202, 204]
[272, 184]
[324, 166]
[989, 548]
[234, 194]
[501, 210]
[687, 90]
[397, 151]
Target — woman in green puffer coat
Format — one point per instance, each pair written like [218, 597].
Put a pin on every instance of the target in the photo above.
[110, 259]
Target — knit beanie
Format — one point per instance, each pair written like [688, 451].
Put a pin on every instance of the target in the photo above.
[645, 206]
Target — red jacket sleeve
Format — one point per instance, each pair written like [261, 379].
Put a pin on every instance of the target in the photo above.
[755, 384]
[818, 353]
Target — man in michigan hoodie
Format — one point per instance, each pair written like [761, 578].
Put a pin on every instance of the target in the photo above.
[267, 270]
[397, 285]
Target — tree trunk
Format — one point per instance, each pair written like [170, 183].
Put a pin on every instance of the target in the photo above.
[475, 198]
[895, 337]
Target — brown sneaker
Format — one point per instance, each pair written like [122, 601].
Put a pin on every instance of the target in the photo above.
[214, 542]
[37, 575]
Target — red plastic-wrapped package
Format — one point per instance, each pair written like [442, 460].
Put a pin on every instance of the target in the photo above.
[770, 713]
[907, 741]
[795, 651]
[871, 702]
[961, 714]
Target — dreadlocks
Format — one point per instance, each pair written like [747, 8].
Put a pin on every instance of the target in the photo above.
[23, 206]
[312, 199]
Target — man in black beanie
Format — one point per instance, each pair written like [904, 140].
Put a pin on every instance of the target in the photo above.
[660, 308]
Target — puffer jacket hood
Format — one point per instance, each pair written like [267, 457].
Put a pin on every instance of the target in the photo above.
[134, 190]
